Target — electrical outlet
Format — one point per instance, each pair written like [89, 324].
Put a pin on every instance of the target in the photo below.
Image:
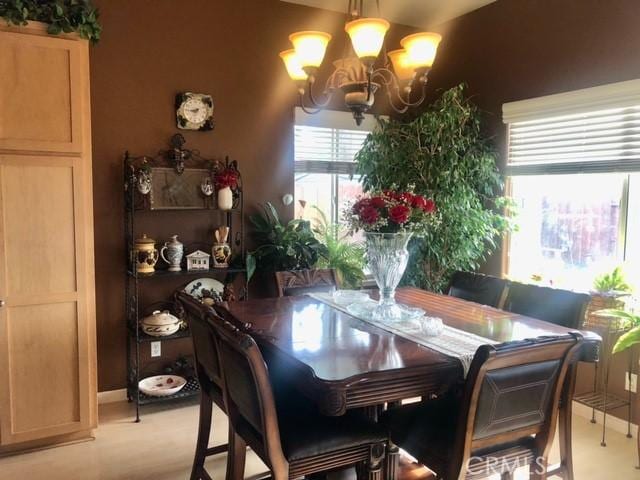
[156, 349]
[633, 385]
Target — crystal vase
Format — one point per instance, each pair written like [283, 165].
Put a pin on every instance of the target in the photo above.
[387, 257]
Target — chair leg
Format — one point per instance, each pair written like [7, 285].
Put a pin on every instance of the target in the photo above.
[538, 470]
[374, 464]
[564, 433]
[204, 429]
[236, 456]
[392, 461]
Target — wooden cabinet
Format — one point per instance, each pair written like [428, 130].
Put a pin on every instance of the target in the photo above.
[47, 314]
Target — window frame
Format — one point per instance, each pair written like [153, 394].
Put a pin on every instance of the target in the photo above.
[586, 101]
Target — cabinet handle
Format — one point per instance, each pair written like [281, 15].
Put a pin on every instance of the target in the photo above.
[2, 303]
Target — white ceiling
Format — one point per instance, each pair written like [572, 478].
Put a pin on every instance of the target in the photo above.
[417, 13]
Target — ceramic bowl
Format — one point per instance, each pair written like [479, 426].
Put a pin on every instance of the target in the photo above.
[160, 324]
[161, 385]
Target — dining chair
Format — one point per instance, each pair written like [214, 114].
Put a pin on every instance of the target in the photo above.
[207, 368]
[299, 282]
[553, 305]
[291, 438]
[478, 288]
[504, 418]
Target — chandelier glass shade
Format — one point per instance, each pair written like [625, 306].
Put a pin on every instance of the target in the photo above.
[365, 68]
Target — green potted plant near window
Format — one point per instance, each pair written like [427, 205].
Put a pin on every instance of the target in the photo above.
[290, 246]
[606, 295]
[441, 153]
[343, 255]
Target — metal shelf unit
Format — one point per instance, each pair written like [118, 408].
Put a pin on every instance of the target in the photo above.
[137, 306]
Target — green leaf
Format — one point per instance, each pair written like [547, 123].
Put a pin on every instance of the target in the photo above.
[632, 337]
[250, 264]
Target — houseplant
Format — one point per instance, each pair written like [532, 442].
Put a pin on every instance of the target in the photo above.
[62, 16]
[607, 294]
[290, 246]
[441, 153]
[389, 219]
[343, 255]
[632, 322]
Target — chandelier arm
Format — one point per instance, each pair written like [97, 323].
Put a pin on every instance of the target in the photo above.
[307, 110]
[392, 82]
[315, 101]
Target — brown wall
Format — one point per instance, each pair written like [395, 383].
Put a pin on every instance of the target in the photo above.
[517, 49]
[152, 49]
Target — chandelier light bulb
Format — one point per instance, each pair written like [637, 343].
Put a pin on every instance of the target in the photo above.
[401, 65]
[310, 47]
[367, 36]
[293, 65]
[421, 48]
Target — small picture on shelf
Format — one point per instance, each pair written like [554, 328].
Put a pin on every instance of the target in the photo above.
[197, 261]
[173, 191]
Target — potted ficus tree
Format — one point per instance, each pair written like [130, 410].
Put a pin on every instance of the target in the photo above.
[444, 155]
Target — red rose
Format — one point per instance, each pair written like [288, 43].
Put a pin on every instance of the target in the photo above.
[377, 202]
[406, 197]
[429, 206]
[399, 214]
[369, 215]
[390, 194]
[418, 201]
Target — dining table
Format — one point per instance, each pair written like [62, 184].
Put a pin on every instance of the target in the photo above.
[340, 362]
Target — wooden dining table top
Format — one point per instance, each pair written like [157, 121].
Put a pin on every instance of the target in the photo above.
[342, 362]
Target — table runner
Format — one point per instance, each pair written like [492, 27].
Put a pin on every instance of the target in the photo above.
[452, 342]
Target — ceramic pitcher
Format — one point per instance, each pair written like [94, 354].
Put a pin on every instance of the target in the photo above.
[174, 251]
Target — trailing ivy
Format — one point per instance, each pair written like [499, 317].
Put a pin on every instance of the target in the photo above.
[63, 16]
[441, 154]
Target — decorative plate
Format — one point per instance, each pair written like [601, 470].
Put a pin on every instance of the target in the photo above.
[161, 385]
[196, 287]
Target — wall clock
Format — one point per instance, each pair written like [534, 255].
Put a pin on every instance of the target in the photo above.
[194, 111]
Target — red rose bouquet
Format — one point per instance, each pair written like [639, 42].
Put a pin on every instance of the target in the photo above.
[391, 212]
[226, 178]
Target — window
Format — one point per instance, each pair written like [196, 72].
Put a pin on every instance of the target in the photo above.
[325, 148]
[573, 170]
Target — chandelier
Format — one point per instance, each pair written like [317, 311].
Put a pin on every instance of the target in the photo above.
[362, 71]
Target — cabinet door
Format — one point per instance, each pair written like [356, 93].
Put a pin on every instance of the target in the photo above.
[40, 109]
[45, 356]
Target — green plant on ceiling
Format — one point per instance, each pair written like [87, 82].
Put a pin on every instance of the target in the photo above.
[343, 255]
[443, 154]
[613, 282]
[290, 246]
[62, 16]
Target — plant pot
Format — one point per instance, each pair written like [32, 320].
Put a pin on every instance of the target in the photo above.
[387, 256]
[225, 198]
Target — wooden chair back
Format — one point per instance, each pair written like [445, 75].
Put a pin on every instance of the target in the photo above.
[478, 288]
[512, 393]
[248, 395]
[553, 305]
[205, 349]
[299, 282]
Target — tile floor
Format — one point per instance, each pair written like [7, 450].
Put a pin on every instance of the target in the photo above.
[161, 448]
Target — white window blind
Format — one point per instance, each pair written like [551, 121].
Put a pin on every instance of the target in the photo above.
[326, 150]
[587, 131]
